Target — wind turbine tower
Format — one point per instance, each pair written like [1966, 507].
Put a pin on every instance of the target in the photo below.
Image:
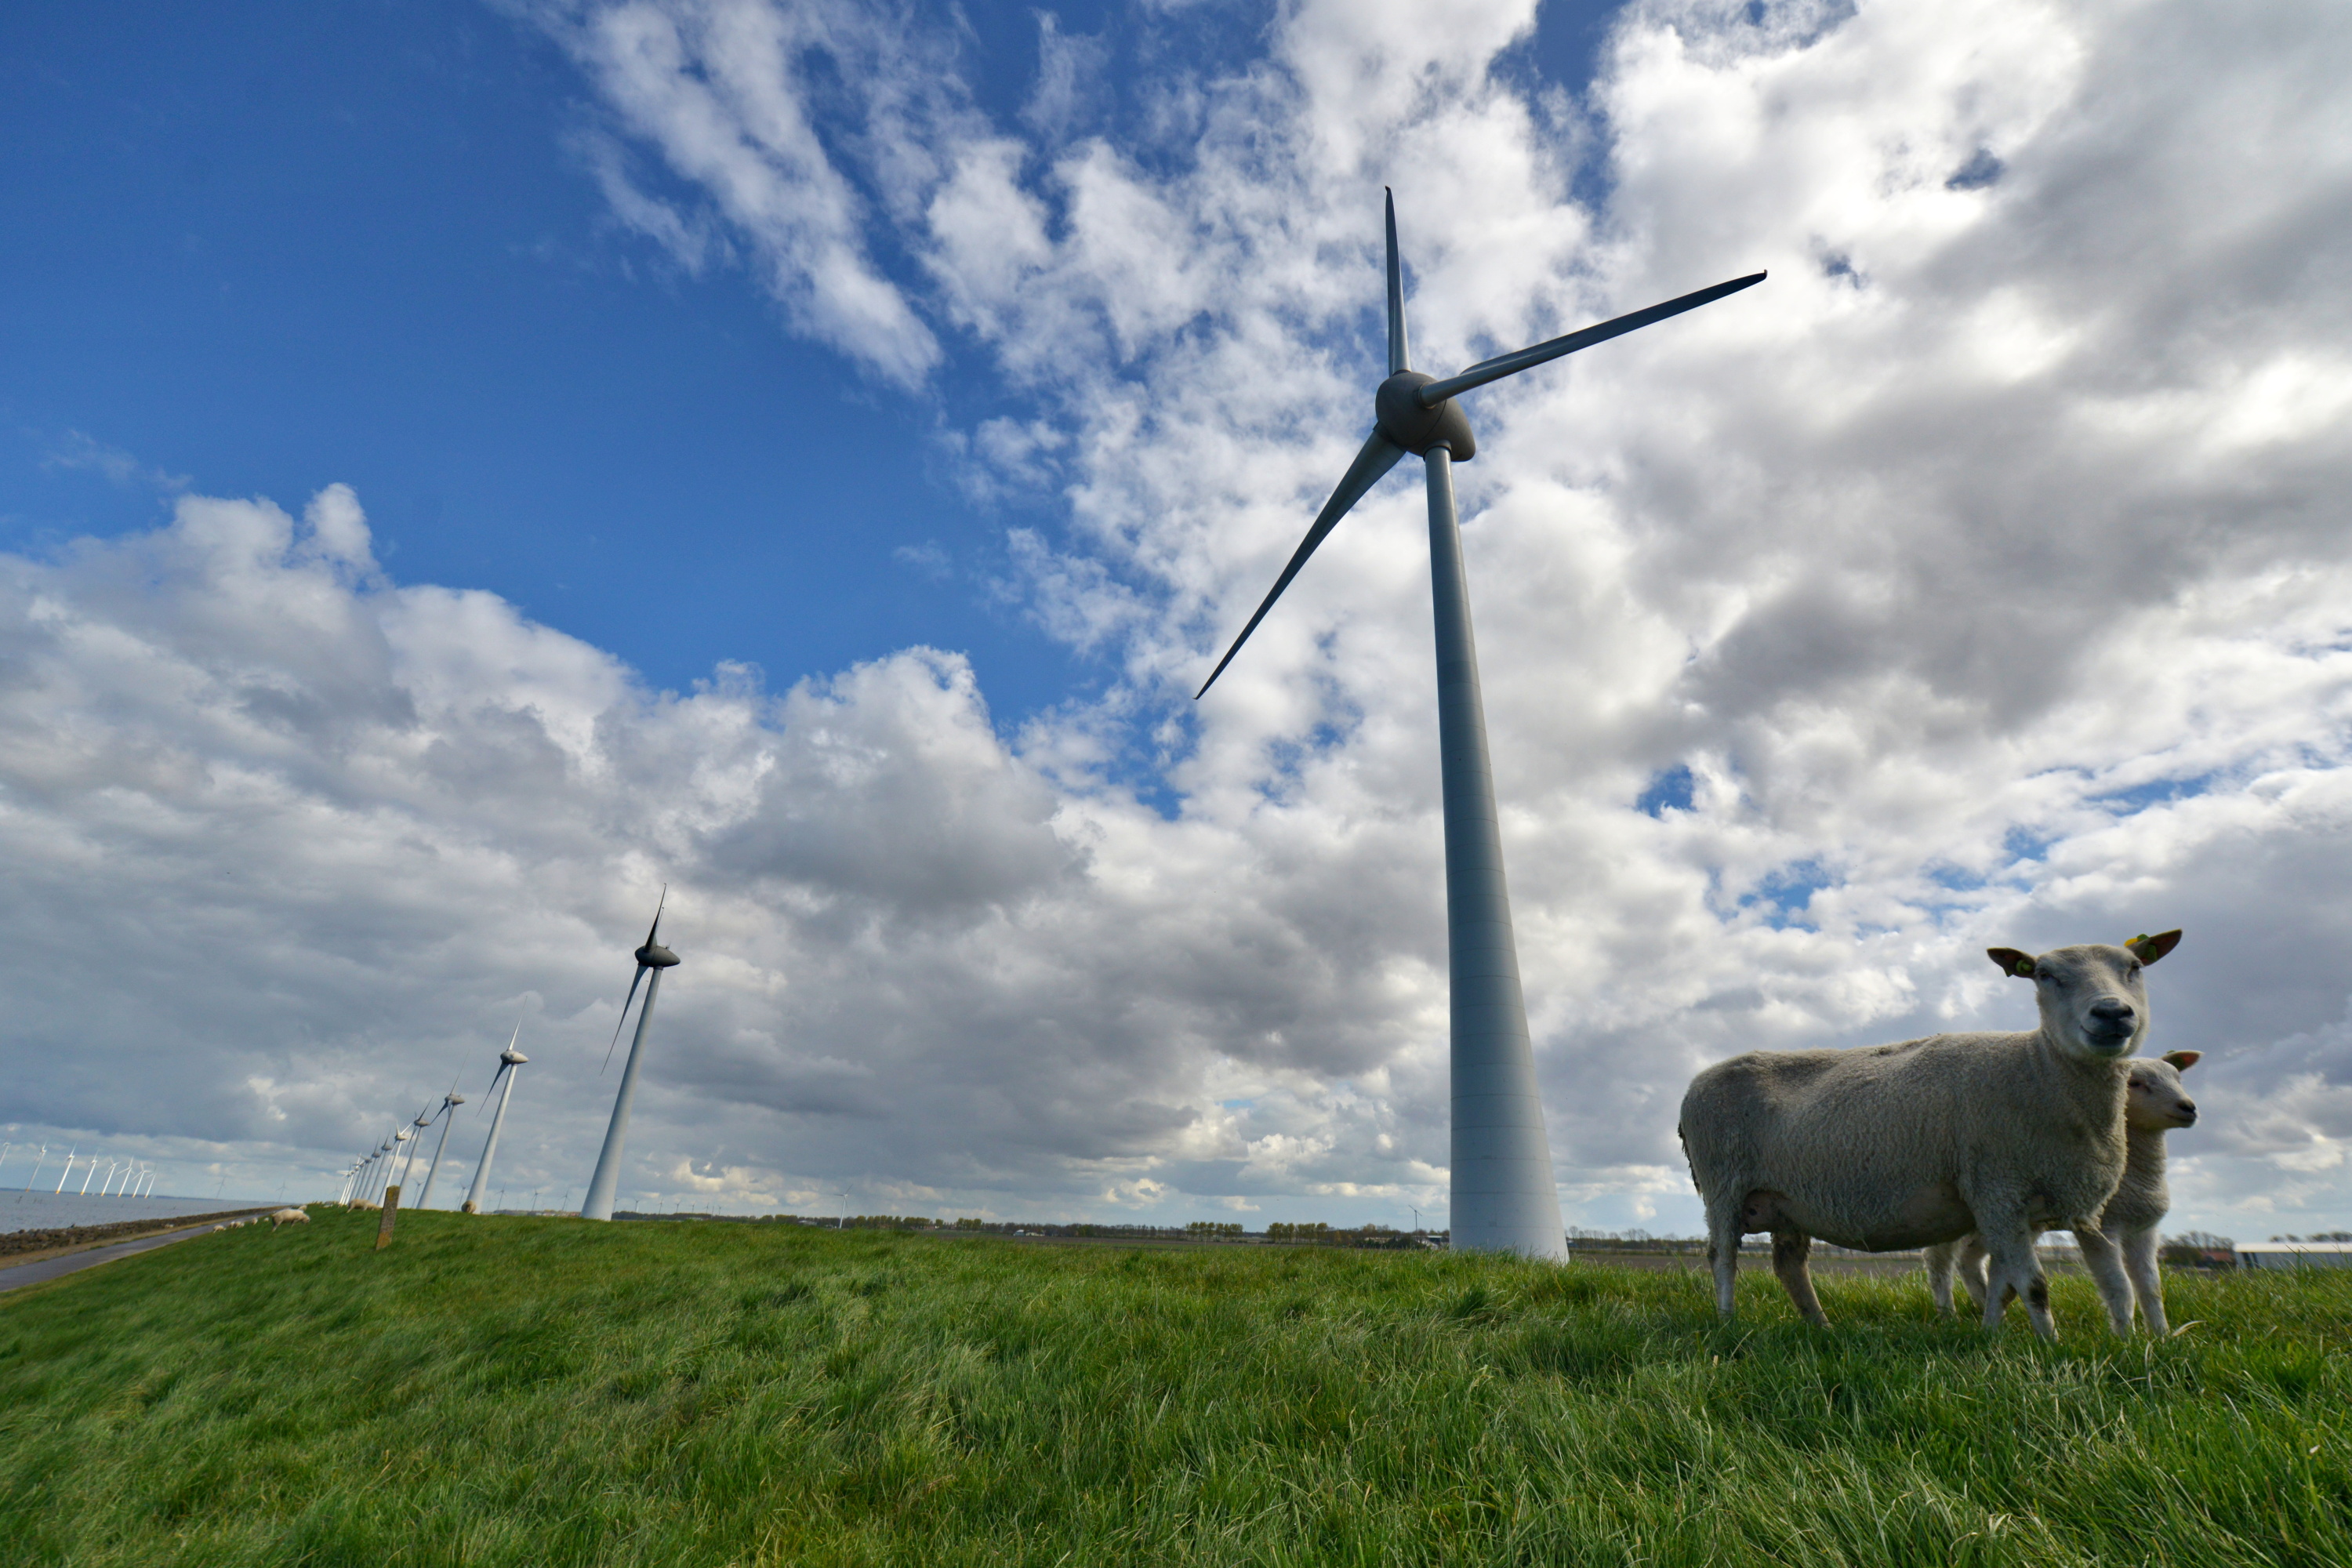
[1504, 1198]
[447, 1113]
[415, 1143]
[509, 1059]
[653, 957]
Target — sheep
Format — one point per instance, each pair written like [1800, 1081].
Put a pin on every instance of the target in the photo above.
[288, 1217]
[1890, 1147]
[2154, 1104]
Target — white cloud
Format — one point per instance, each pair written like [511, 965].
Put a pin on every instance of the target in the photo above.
[1985, 570]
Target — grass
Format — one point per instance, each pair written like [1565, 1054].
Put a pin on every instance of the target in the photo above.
[540, 1391]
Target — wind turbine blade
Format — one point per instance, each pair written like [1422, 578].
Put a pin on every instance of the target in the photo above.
[1400, 352]
[623, 1017]
[1495, 369]
[1378, 457]
[657, 909]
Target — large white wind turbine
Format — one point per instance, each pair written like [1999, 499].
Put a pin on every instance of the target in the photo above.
[509, 1059]
[653, 957]
[68, 1170]
[1504, 1198]
[447, 1113]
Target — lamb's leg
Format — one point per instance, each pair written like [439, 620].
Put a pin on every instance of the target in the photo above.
[1723, 1254]
[1789, 1250]
[2106, 1267]
[2009, 1241]
[2139, 1263]
[1972, 1271]
[1941, 1259]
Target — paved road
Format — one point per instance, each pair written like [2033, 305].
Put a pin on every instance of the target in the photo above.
[70, 1262]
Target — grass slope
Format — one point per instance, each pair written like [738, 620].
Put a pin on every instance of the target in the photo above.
[533, 1391]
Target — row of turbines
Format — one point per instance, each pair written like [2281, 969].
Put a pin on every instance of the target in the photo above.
[138, 1176]
[394, 1160]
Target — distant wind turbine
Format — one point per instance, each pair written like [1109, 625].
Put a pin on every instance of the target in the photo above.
[39, 1161]
[509, 1059]
[651, 958]
[448, 1115]
[415, 1142]
[67, 1171]
[1503, 1197]
[83, 1191]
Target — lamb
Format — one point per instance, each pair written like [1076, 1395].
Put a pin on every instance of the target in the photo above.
[288, 1217]
[2154, 1104]
[1891, 1147]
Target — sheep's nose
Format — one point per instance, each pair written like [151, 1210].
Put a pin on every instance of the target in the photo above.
[2110, 1010]
[2189, 1109]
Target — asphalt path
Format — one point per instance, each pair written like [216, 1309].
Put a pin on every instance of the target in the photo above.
[47, 1269]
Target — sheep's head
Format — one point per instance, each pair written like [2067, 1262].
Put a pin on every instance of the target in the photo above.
[2155, 1101]
[2094, 1000]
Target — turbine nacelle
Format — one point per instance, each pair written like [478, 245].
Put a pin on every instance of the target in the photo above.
[511, 1057]
[653, 955]
[1401, 420]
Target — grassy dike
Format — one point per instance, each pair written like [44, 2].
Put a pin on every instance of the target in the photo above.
[536, 1392]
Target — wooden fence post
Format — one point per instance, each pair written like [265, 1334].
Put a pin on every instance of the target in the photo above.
[391, 1208]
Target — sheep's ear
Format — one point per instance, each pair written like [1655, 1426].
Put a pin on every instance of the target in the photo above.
[2183, 1061]
[2148, 949]
[2012, 962]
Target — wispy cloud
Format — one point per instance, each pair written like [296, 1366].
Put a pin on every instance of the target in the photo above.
[80, 452]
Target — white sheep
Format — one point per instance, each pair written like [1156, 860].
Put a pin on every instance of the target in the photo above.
[288, 1217]
[2154, 1104]
[1891, 1147]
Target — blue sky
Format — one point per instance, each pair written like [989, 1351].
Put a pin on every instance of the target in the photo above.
[297, 245]
[413, 418]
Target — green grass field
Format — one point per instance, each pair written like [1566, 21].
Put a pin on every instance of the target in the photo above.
[529, 1392]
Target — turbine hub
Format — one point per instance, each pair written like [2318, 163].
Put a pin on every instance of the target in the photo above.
[513, 1059]
[1403, 419]
[653, 955]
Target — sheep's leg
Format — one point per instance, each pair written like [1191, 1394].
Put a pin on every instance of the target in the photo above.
[1723, 1254]
[2014, 1267]
[1789, 1250]
[1941, 1257]
[1972, 1271]
[2139, 1262]
[2106, 1267]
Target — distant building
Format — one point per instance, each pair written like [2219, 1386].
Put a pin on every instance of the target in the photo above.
[2296, 1255]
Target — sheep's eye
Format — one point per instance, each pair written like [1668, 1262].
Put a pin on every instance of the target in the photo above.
[2132, 973]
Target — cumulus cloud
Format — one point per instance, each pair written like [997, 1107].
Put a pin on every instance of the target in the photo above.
[1981, 578]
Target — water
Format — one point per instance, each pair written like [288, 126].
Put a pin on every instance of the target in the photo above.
[43, 1210]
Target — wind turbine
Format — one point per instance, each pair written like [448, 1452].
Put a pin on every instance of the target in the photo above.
[380, 1169]
[656, 958]
[415, 1142]
[509, 1059]
[1504, 1198]
[447, 1113]
[38, 1161]
[68, 1170]
[83, 1191]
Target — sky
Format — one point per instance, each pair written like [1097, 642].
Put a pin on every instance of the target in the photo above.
[465, 468]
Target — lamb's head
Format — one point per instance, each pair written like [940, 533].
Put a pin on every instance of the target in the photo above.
[2093, 1001]
[2154, 1101]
